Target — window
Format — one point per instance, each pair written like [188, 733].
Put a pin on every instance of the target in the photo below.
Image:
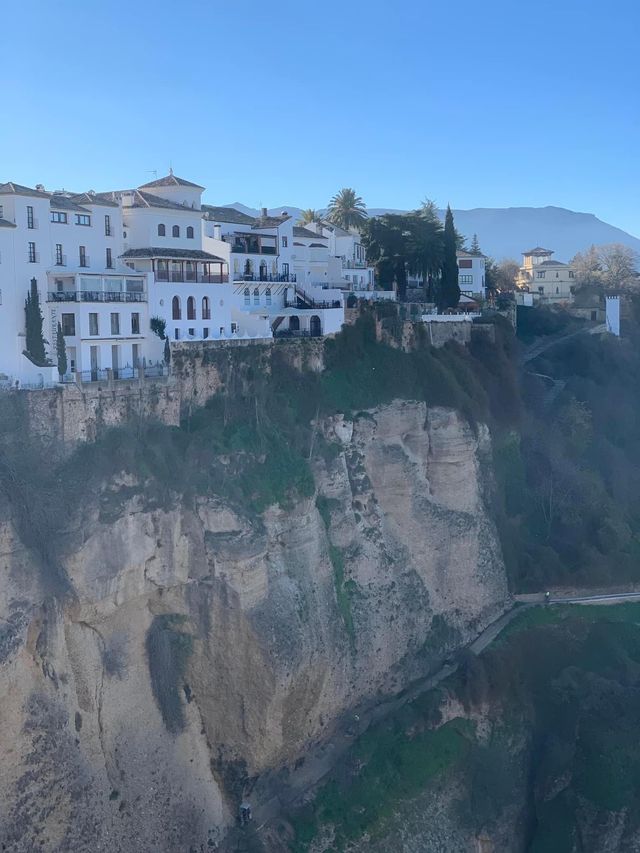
[189, 232]
[285, 242]
[256, 296]
[93, 324]
[572, 274]
[175, 231]
[540, 274]
[191, 308]
[82, 251]
[83, 219]
[465, 279]
[234, 328]
[192, 332]
[205, 332]
[59, 256]
[59, 216]
[206, 308]
[176, 334]
[162, 231]
[176, 313]
[68, 324]
[32, 253]
[135, 323]
[109, 260]
[557, 290]
[247, 296]
[107, 225]
[465, 263]
[115, 324]
[267, 294]
[31, 223]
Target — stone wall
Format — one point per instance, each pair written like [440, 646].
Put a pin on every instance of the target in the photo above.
[68, 414]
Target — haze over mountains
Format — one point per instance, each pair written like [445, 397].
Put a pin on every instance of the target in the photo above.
[507, 232]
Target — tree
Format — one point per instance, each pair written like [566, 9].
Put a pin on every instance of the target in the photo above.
[612, 266]
[309, 215]
[159, 327]
[505, 274]
[35, 343]
[384, 238]
[61, 352]
[448, 291]
[167, 352]
[347, 210]
[424, 247]
[475, 246]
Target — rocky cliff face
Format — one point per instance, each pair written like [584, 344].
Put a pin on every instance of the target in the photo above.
[202, 646]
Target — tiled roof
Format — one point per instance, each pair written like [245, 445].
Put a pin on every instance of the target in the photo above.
[462, 254]
[551, 264]
[299, 231]
[270, 221]
[170, 180]
[227, 214]
[177, 254]
[17, 189]
[63, 202]
[317, 245]
[538, 251]
[94, 198]
[142, 199]
[4, 223]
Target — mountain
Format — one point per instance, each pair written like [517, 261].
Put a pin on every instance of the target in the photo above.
[505, 232]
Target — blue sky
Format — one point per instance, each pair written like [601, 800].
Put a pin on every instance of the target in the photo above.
[479, 104]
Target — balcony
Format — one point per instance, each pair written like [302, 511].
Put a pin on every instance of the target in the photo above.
[33, 257]
[307, 303]
[354, 265]
[61, 261]
[94, 296]
[202, 278]
[265, 277]
[84, 261]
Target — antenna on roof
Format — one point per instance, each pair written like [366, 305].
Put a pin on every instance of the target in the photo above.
[171, 168]
[153, 172]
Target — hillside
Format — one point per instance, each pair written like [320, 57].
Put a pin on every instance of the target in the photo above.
[507, 232]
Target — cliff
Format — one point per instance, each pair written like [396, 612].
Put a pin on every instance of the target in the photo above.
[201, 642]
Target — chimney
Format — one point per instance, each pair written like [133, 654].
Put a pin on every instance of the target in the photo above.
[217, 231]
[264, 213]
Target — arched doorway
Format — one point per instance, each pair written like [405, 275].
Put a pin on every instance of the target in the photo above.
[191, 308]
[294, 324]
[315, 326]
[263, 270]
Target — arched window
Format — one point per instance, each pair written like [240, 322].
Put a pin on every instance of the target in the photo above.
[256, 296]
[175, 231]
[176, 313]
[294, 323]
[206, 308]
[263, 270]
[267, 294]
[189, 232]
[247, 296]
[315, 326]
[161, 230]
[191, 308]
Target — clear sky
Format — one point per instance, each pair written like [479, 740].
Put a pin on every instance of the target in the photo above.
[480, 104]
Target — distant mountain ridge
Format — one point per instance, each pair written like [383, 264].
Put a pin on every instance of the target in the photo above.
[506, 232]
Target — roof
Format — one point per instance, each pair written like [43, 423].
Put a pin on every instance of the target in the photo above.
[64, 202]
[299, 231]
[142, 199]
[19, 189]
[4, 223]
[270, 221]
[538, 251]
[227, 214]
[461, 253]
[551, 264]
[170, 180]
[337, 229]
[317, 245]
[94, 198]
[178, 254]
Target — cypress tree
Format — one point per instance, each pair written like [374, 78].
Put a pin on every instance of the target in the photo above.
[475, 246]
[448, 294]
[33, 325]
[167, 352]
[61, 350]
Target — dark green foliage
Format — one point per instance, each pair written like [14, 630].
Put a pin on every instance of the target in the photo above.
[168, 650]
[61, 352]
[167, 352]
[35, 343]
[448, 291]
[159, 327]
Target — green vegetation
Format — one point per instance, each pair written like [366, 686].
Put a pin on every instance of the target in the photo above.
[386, 766]
[35, 342]
[168, 652]
[448, 291]
[159, 327]
[61, 352]
[347, 209]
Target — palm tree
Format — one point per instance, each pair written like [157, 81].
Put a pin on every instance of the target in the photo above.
[309, 215]
[347, 209]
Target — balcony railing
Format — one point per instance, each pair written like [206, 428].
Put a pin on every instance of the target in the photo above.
[308, 303]
[94, 296]
[33, 257]
[240, 249]
[354, 265]
[266, 277]
[150, 371]
[296, 333]
[84, 261]
[203, 278]
[61, 260]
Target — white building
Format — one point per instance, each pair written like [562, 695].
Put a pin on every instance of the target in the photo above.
[68, 244]
[471, 274]
[547, 280]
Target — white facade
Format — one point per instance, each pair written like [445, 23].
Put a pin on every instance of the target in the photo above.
[471, 274]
